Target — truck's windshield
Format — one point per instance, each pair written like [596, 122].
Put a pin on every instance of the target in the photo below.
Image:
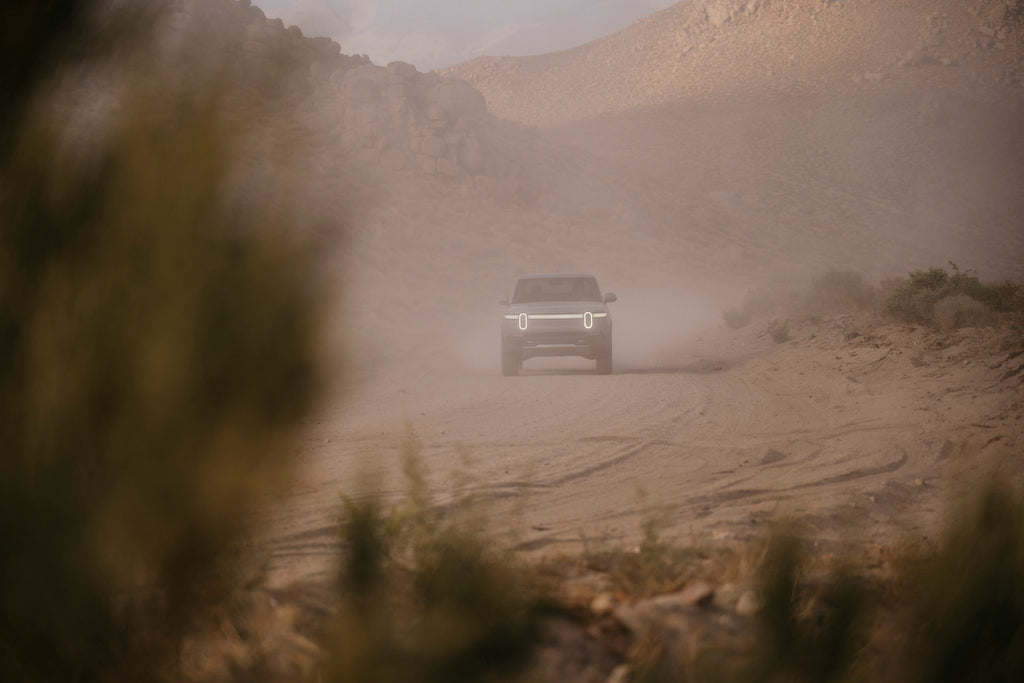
[541, 289]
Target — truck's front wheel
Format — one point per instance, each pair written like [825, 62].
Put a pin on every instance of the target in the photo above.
[604, 360]
[511, 361]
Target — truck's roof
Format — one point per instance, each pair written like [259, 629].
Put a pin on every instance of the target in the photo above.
[551, 275]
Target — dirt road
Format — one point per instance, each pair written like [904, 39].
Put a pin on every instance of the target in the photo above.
[861, 429]
[854, 427]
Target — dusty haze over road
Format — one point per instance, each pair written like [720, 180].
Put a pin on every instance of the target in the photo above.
[711, 152]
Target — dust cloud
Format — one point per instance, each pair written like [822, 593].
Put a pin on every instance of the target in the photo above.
[683, 210]
[651, 326]
[732, 184]
[211, 261]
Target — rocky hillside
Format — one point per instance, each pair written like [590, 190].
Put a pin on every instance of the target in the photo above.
[790, 136]
[392, 117]
[786, 134]
[734, 47]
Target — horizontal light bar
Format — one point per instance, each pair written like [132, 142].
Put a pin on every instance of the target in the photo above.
[554, 316]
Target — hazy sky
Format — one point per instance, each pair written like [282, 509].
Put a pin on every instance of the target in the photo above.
[437, 33]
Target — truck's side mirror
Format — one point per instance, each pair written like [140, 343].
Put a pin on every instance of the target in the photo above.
[610, 297]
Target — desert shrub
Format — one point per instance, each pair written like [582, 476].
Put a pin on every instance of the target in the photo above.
[913, 298]
[655, 566]
[1011, 303]
[960, 310]
[1011, 295]
[649, 570]
[838, 290]
[1015, 13]
[157, 346]
[427, 596]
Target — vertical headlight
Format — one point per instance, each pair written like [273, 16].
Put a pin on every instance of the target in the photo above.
[522, 321]
[588, 320]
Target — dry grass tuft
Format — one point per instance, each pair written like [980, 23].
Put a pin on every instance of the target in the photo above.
[960, 310]
[426, 595]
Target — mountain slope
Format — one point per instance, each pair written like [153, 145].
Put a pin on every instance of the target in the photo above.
[444, 33]
[761, 46]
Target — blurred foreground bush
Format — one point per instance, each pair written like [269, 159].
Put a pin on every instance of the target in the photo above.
[427, 596]
[157, 343]
[951, 612]
[807, 631]
[969, 595]
[935, 611]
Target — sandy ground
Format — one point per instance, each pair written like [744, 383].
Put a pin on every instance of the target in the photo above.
[864, 438]
[861, 428]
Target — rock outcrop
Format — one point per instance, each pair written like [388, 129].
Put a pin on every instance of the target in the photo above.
[393, 117]
[402, 119]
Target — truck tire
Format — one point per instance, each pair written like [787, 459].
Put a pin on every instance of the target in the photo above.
[510, 362]
[604, 360]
